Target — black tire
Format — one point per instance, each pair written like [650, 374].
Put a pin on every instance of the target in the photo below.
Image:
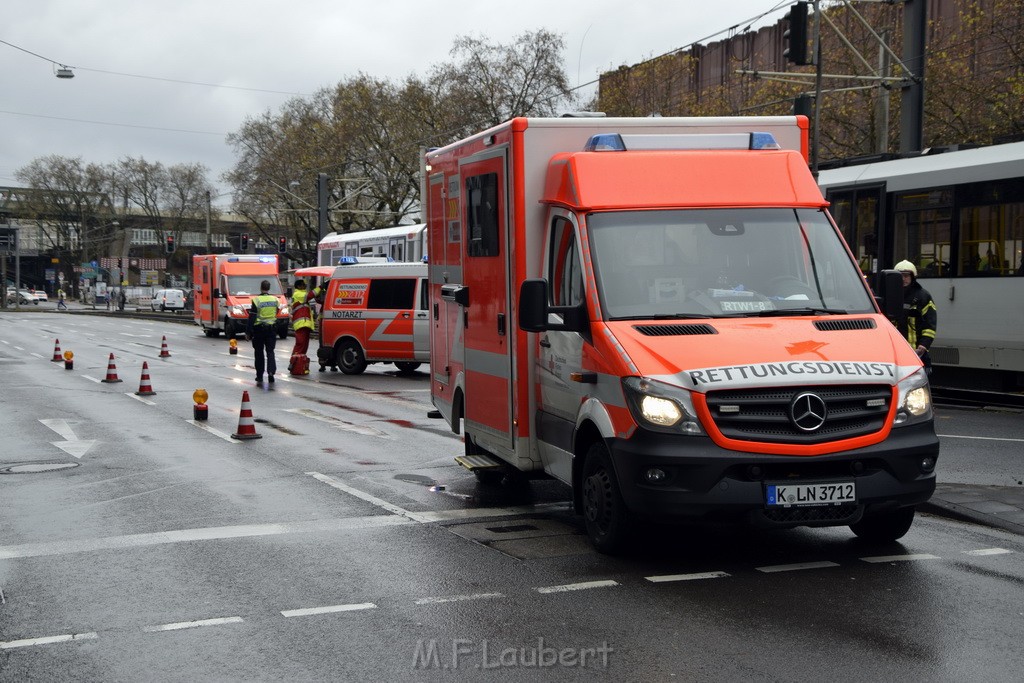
[406, 367]
[350, 357]
[211, 332]
[885, 527]
[604, 512]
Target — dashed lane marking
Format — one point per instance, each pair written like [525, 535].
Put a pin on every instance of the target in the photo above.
[979, 438]
[47, 640]
[698, 576]
[92, 379]
[440, 600]
[140, 399]
[310, 611]
[207, 428]
[201, 534]
[570, 587]
[988, 551]
[900, 558]
[220, 621]
[771, 569]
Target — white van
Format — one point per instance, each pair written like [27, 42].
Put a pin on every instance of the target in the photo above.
[168, 300]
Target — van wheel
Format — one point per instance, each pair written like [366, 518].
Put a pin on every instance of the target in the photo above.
[604, 512]
[886, 527]
[211, 333]
[406, 366]
[350, 358]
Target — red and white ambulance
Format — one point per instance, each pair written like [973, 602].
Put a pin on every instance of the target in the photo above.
[224, 285]
[374, 312]
[661, 313]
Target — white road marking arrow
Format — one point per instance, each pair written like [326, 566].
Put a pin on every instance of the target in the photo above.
[71, 445]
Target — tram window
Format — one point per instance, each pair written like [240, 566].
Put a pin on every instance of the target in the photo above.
[990, 239]
[922, 231]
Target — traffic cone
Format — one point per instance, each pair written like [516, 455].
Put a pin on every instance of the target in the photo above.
[246, 427]
[57, 358]
[111, 371]
[145, 388]
[164, 353]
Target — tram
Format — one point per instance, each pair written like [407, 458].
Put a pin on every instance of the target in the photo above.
[958, 215]
[400, 243]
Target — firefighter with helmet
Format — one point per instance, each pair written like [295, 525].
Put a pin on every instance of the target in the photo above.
[921, 315]
[303, 322]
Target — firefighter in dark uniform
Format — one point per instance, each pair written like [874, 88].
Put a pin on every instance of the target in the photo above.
[261, 330]
[921, 314]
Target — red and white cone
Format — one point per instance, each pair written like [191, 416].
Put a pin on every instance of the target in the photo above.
[246, 426]
[111, 371]
[164, 353]
[145, 388]
[57, 358]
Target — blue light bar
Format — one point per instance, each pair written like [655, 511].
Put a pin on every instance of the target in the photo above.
[763, 141]
[605, 142]
[267, 259]
[347, 260]
[615, 142]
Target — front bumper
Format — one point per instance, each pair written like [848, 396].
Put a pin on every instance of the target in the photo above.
[708, 483]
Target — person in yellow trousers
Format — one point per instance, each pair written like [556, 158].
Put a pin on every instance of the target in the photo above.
[303, 323]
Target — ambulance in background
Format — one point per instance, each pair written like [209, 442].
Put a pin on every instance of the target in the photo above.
[660, 313]
[374, 313]
[223, 288]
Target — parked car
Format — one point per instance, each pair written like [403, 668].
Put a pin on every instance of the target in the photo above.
[40, 295]
[168, 300]
[22, 296]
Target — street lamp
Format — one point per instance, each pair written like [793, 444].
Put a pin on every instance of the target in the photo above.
[63, 72]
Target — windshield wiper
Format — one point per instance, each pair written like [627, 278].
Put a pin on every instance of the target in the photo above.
[801, 311]
[665, 316]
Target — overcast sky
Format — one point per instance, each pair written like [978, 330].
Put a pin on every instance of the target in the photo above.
[139, 65]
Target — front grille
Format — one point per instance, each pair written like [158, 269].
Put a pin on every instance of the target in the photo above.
[763, 415]
[803, 515]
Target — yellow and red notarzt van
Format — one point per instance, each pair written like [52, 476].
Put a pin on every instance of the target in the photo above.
[661, 313]
[374, 313]
[224, 285]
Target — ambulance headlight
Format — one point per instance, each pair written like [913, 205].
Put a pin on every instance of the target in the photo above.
[238, 311]
[914, 400]
[661, 407]
[285, 310]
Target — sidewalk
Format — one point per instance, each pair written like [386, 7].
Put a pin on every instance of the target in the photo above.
[1001, 507]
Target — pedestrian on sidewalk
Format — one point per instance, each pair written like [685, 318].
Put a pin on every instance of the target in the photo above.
[61, 304]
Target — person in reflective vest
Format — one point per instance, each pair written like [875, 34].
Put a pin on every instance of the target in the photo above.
[303, 321]
[261, 331]
[921, 313]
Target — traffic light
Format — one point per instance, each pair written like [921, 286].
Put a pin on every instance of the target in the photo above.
[243, 242]
[282, 244]
[170, 244]
[795, 36]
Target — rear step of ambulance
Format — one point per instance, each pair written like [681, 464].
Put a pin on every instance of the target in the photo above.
[476, 463]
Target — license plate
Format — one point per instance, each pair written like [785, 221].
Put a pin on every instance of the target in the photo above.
[787, 495]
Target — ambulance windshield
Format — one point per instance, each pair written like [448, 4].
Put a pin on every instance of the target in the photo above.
[249, 285]
[722, 263]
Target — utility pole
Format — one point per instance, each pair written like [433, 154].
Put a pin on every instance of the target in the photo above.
[323, 199]
[209, 236]
[912, 103]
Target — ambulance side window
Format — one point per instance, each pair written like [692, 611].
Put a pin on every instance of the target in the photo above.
[564, 272]
[482, 215]
[393, 294]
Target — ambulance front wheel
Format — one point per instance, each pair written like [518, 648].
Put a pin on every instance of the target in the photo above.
[350, 357]
[406, 367]
[604, 512]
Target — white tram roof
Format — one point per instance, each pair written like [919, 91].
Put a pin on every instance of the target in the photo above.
[935, 170]
[369, 237]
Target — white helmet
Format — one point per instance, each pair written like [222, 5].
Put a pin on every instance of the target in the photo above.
[906, 267]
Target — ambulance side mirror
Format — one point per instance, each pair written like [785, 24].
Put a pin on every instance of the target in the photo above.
[216, 293]
[534, 310]
[889, 294]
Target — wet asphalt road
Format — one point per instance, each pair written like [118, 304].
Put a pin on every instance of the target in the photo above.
[345, 544]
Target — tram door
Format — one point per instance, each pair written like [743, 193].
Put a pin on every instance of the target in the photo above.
[860, 215]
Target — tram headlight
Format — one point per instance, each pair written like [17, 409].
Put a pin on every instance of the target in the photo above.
[915, 400]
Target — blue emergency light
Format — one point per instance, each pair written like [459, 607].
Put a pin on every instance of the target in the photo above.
[616, 142]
